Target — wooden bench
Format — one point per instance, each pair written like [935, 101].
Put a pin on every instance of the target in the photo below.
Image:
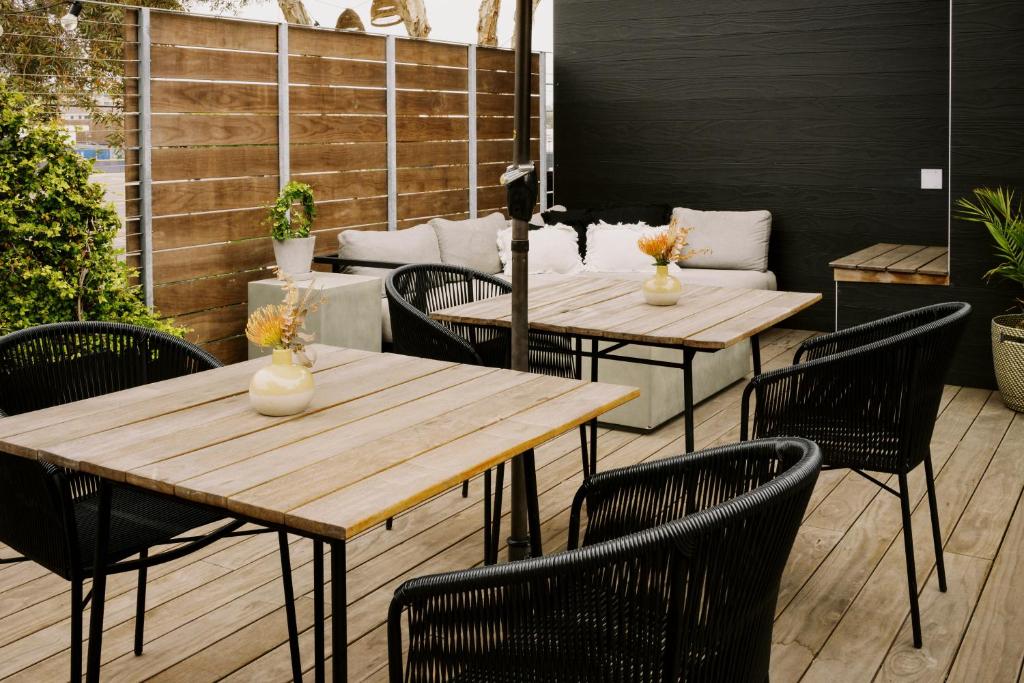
[902, 264]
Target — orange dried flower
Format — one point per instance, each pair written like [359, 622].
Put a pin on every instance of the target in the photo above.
[670, 245]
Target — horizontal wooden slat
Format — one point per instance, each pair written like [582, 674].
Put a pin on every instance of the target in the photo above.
[921, 258]
[325, 100]
[419, 129]
[329, 43]
[497, 59]
[494, 104]
[228, 351]
[501, 82]
[415, 51]
[420, 77]
[412, 180]
[182, 163]
[212, 65]
[321, 71]
[431, 103]
[347, 185]
[194, 229]
[491, 197]
[431, 204]
[183, 29]
[367, 213]
[196, 295]
[226, 98]
[212, 195]
[329, 129]
[438, 153]
[194, 129]
[314, 158]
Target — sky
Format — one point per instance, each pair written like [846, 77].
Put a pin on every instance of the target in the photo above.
[452, 20]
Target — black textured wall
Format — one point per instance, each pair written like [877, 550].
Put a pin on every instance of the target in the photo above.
[822, 111]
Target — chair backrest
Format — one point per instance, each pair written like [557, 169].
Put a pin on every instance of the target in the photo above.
[414, 291]
[50, 365]
[690, 597]
[870, 398]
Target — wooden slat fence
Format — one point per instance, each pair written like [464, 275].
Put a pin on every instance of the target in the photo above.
[215, 158]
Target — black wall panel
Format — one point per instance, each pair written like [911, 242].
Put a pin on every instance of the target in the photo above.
[823, 112]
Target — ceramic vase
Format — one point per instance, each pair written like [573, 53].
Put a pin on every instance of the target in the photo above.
[662, 289]
[295, 257]
[281, 388]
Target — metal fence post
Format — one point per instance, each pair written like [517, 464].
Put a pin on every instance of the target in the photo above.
[473, 180]
[284, 160]
[392, 136]
[145, 157]
[543, 130]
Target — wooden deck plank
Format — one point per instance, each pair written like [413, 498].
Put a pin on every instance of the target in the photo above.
[883, 261]
[913, 262]
[226, 621]
[859, 257]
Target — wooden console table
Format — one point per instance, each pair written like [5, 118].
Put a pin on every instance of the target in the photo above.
[901, 264]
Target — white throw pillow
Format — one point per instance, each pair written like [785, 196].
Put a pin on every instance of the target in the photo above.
[737, 240]
[470, 243]
[412, 245]
[553, 249]
[613, 249]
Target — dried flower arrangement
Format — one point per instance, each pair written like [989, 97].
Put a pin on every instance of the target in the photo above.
[280, 326]
[669, 246]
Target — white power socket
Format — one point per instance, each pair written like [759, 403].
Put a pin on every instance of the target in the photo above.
[931, 178]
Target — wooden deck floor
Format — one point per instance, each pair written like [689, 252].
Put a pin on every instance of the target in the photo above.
[842, 612]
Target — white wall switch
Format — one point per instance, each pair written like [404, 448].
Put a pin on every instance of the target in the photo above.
[931, 178]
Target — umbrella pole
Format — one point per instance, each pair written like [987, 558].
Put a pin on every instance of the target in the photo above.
[520, 174]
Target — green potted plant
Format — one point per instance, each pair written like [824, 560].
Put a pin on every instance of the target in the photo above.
[289, 228]
[996, 210]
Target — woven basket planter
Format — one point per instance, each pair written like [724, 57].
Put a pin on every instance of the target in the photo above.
[1008, 358]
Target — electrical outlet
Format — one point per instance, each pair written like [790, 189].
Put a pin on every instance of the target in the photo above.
[931, 178]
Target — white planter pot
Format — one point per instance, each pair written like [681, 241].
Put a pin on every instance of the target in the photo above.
[295, 257]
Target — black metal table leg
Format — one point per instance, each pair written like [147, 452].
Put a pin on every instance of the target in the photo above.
[533, 504]
[289, 606]
[319, 666]
[99, 583]
[495, 521]
[688, 355]
[755, 352]
[593, 423]
[584, 446]
[339, 612]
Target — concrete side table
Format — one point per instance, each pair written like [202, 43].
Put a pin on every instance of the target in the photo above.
[350, 315]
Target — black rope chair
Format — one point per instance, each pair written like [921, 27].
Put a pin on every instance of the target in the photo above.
[415, 291]
[869, 396]
[49, 514]
[677, 579]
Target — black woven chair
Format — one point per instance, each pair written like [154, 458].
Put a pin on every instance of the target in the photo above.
[677, 579]
[869, 396]
[49, 514]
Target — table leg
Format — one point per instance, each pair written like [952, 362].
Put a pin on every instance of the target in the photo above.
[755, 352]
[289, 605]
[533, 504]
[584, 447]
[688, 355]
[593, 423]
[99, 583]
[319, 665]
[339, 613]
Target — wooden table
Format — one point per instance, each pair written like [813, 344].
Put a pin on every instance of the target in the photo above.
[384, 433]
[603, 309]
[901, 264]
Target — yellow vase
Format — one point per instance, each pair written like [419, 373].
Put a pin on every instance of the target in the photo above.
[281, 388]
[662, 289]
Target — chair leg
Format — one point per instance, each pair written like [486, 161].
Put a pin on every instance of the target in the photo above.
[465, 488]
[908, 548]
[140, 605]
[289, 605]
[76, 629]
[933, 504]
[389, 523]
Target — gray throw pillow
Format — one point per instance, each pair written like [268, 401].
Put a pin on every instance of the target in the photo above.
[471, 243]
[736, 240]
[412, 245]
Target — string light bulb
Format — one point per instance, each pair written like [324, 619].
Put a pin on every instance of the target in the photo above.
[70, 20]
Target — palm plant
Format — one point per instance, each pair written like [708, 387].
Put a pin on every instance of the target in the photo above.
[996, 210]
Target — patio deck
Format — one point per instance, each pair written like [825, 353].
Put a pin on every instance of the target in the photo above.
[842, 612]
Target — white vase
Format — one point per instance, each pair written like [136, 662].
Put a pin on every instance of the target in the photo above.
[281, 388]
[295, 257]
[662, 289]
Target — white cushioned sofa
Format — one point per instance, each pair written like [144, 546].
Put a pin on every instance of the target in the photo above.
[735, 254]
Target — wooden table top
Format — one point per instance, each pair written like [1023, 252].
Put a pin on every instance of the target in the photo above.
[384, 432]
[614, 309]
[910, 264]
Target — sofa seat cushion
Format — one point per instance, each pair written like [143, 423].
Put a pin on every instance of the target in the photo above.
[730, 239]
[470, 243]
[412, 245]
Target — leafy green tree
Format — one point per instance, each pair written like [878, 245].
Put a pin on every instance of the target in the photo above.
[57, 231]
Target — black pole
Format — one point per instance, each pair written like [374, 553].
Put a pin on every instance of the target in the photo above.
[520, 182]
